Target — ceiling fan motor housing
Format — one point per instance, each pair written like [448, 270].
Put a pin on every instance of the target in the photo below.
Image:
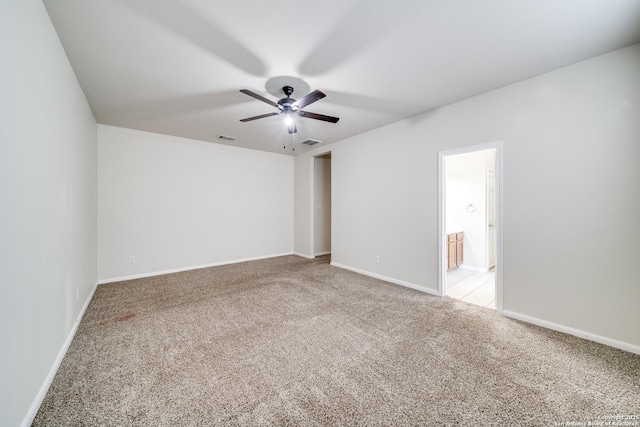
[286, 104]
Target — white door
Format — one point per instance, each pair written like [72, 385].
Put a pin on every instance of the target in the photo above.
[491, 218]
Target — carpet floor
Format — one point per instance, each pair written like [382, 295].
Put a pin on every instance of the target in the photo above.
[291, 341]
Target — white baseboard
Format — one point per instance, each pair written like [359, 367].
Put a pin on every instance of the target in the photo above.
[303, 255]
[575, 332]
[388, 279]
[539, 322]
[195, 267]
[323, 253]
[35, 406]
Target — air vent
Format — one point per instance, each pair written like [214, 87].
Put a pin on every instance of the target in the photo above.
[227, 138]
[311, 142]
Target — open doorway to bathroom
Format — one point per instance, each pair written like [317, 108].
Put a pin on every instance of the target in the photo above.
[469, 229]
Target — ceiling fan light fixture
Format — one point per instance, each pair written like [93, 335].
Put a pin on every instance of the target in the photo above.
[290, 107]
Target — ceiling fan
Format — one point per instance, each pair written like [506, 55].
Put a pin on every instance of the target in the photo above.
[289, 106]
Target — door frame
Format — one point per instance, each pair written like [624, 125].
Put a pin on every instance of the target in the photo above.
[495, 213]
[312, 203]
[442, 269]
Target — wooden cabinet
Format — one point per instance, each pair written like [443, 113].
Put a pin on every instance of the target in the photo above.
[455, 250]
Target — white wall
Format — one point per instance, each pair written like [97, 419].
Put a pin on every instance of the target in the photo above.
[322, 202]
[375, 207]
[47, 207]
[176, 203]
[571, 198]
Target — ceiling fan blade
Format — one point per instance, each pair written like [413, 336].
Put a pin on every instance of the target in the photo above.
[262, 116]
[312, 97]
[317, 116]
[260, 97]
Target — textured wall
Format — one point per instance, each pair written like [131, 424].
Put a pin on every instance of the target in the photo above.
[175, 203]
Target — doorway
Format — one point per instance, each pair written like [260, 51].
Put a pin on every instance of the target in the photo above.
[469, 204]
[321, 174]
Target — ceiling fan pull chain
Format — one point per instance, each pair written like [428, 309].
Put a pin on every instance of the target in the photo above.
[284, 144]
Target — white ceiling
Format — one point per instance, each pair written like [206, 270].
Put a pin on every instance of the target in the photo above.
[175, 67]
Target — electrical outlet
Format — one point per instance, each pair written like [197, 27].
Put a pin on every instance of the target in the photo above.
[132, 260]
[376, 259]
[258, 245]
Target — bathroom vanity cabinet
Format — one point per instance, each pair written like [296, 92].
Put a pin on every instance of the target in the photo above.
[455, 250]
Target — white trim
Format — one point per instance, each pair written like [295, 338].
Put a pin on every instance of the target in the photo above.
[472, 268]
[195, 267]
[499, 173]
[442, 269]
[303, 255]
[312, 205]
[575, 332]
[486, 230]
[442, 245]
[388, 279]
[35, 406]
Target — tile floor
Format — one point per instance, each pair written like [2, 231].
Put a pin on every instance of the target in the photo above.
[472, 287]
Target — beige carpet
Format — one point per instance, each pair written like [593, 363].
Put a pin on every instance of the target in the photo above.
[290, 341]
